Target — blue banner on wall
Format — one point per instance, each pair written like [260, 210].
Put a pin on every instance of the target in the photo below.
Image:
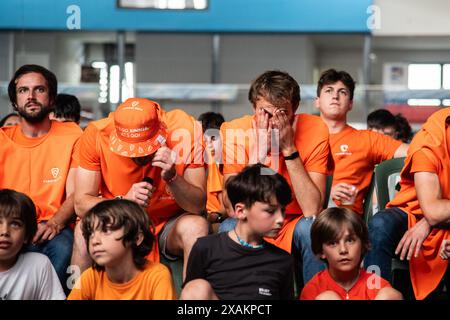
[221, 16]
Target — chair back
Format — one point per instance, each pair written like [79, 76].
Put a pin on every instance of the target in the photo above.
[384, 182]
[387, 177]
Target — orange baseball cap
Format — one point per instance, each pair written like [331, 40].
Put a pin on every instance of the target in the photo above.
[139, 130]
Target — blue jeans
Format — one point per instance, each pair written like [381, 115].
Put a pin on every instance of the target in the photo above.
[59, 251]
[310, 264]
[386, 229]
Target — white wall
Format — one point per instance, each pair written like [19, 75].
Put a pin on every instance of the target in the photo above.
[413, 17]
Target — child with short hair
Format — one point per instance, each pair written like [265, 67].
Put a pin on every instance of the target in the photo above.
[340, 237]
[118, 236]
[23, 275]
[239, 264]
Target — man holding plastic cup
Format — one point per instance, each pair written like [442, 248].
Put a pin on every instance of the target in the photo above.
[355, 152]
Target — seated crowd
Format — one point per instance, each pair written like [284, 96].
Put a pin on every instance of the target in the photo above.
[266, 206]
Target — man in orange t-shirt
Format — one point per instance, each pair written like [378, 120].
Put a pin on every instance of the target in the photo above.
[417, 221]
[355, 152]
[39, 158]
[152, 157]
[296, 146]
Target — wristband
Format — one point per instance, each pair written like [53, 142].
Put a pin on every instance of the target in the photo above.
[172, 179]
[218, 217]
[292, 156]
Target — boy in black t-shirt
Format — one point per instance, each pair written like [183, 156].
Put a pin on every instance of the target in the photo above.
[239, 264]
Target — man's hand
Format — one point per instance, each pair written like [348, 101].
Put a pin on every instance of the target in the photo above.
[286, 132]
[263, 127]
[412, 240]
[445, 249]
[342, 192]
[47, 231]
[165, 159]
[140, 193]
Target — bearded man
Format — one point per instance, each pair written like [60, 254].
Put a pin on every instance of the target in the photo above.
[39, 157]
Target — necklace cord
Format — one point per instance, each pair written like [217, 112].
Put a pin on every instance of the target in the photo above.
[246, 244]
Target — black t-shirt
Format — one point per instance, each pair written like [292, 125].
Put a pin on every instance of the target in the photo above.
[236, 272]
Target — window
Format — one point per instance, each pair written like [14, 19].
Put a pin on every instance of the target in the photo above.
[127, 86]
[114, 86]
[424, 76]
[446, 76]
[429, 76]
[424, 102]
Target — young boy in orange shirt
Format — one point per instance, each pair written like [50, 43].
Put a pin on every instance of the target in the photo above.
[240, 264]
[118, 236]
[340, 237]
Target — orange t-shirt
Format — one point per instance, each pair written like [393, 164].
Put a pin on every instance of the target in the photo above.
[311, 140]
[39, 167]
[428, 152]
[366, 288]
[119, 173]
[152, 283]
[355, 154]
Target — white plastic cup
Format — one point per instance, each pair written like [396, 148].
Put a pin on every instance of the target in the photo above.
[352, 199]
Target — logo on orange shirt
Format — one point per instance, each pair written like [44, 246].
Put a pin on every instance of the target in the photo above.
[168, 194]
[55, 174]
[344, 150]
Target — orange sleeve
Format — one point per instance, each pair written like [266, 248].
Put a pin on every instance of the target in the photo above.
[421, 163]
[198, 146]
[312, 140]
[185, 138]
[75, 162]
[83, 289]
[89, 157]
[233, 153]
[320, 160]
[383, 147]
[162, 285]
